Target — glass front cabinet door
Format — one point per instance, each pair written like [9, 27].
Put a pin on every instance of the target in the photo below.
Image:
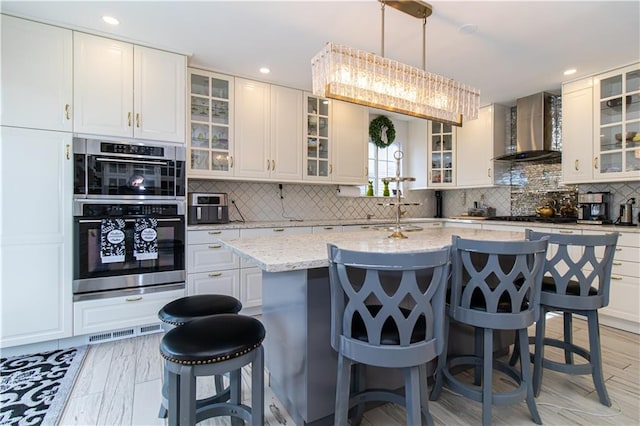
[617, 124]
[317, 152]
[210, 124]
[441, 140]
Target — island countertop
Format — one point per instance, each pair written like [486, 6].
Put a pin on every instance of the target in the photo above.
[307, 251]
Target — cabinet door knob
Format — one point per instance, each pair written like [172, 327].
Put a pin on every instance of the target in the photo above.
[138, 120]
[67, 111]
[129, 119]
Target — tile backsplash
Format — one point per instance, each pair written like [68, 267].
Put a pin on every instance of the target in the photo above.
[262, 202]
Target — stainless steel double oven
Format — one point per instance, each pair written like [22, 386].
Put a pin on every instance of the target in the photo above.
[127, 187]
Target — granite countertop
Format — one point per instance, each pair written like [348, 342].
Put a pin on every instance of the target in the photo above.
[295, 252]
[379, 221]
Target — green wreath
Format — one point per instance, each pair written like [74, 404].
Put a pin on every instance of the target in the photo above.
[377, 127]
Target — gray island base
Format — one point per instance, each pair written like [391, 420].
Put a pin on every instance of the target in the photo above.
[296, 301]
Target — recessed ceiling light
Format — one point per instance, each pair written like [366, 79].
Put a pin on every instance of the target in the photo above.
[468, 28]
[265, 70]
[110, 20]
[570, 71]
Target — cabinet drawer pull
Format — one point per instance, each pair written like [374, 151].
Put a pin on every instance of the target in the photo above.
[278, 230]
[562, 231]
[215, 246]
[67, 111]
[133, 299]
[231, 161]
[68, 151]
[330, 169]
[138, 120]
[129, 119]
[576, 165]
[328, 227]
[618, 249]
[215, 232]
[268, 165]
[595, 162]
[617, 263]
[273, 165]
[365, 227]
[489, 172]
[215, 274]
[616, 278]
[435, 224]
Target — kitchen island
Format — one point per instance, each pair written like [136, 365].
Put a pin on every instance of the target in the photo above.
[296, 309]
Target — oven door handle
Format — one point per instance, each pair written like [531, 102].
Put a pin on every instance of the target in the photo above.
[177, 219]
[122, 160]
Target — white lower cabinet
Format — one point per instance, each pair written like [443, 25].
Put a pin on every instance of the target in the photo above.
[217, 282]
[94, 316]
[251, 287]
[623, 310]
[212, 269]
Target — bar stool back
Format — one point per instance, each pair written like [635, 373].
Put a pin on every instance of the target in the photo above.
[495, 285]
[387, 310]
[574, 284]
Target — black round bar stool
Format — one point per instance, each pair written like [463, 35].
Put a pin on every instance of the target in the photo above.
[185, 309]
[209, 346]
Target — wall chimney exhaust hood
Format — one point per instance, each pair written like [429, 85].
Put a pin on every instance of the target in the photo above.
[534, 124]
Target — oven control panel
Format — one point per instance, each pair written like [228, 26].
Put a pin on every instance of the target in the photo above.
[95, 210]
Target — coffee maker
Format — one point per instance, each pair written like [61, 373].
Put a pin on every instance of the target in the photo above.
[626, 213]
[593, 208]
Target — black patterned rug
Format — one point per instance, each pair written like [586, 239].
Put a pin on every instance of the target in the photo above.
[34, 388]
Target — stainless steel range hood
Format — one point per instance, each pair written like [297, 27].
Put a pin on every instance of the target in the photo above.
[534, 129]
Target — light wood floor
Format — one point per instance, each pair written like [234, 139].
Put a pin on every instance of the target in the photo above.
[119, 384]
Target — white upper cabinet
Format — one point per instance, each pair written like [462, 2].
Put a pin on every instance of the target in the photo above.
[37, 75]
[336, 137]
[616, 101]
[128, 91]
[350, 134]
[479, 141]
[441, 155]
[286, 128]
[577, 131]
[268, 125]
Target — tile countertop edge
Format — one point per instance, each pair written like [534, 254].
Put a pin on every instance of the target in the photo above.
[373, 222]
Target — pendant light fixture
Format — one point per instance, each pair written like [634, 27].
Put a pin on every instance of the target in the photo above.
[352, 75]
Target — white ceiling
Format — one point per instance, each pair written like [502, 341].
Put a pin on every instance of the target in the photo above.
[520, 47]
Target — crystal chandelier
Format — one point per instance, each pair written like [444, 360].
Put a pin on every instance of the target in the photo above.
[352, 75]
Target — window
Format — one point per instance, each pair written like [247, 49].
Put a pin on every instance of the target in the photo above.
[381, 164]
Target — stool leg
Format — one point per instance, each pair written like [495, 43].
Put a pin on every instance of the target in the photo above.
[442, 363]
[218, 379]
[342, 390]
[538, 356]
[424, 393]
[568, 337]
[163, 412]
[478, 352]
[412, 395]
[257, 388]
[516, 352]
[596, 357]
[360, 385]
[525, 369]
[235, 397]
[173, 396]
[487, 377]
[187, 396]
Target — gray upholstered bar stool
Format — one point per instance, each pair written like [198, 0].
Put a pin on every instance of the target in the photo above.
[495, 285]
[577, 280]
[179, 312]
[387, 310]
[209, 346]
